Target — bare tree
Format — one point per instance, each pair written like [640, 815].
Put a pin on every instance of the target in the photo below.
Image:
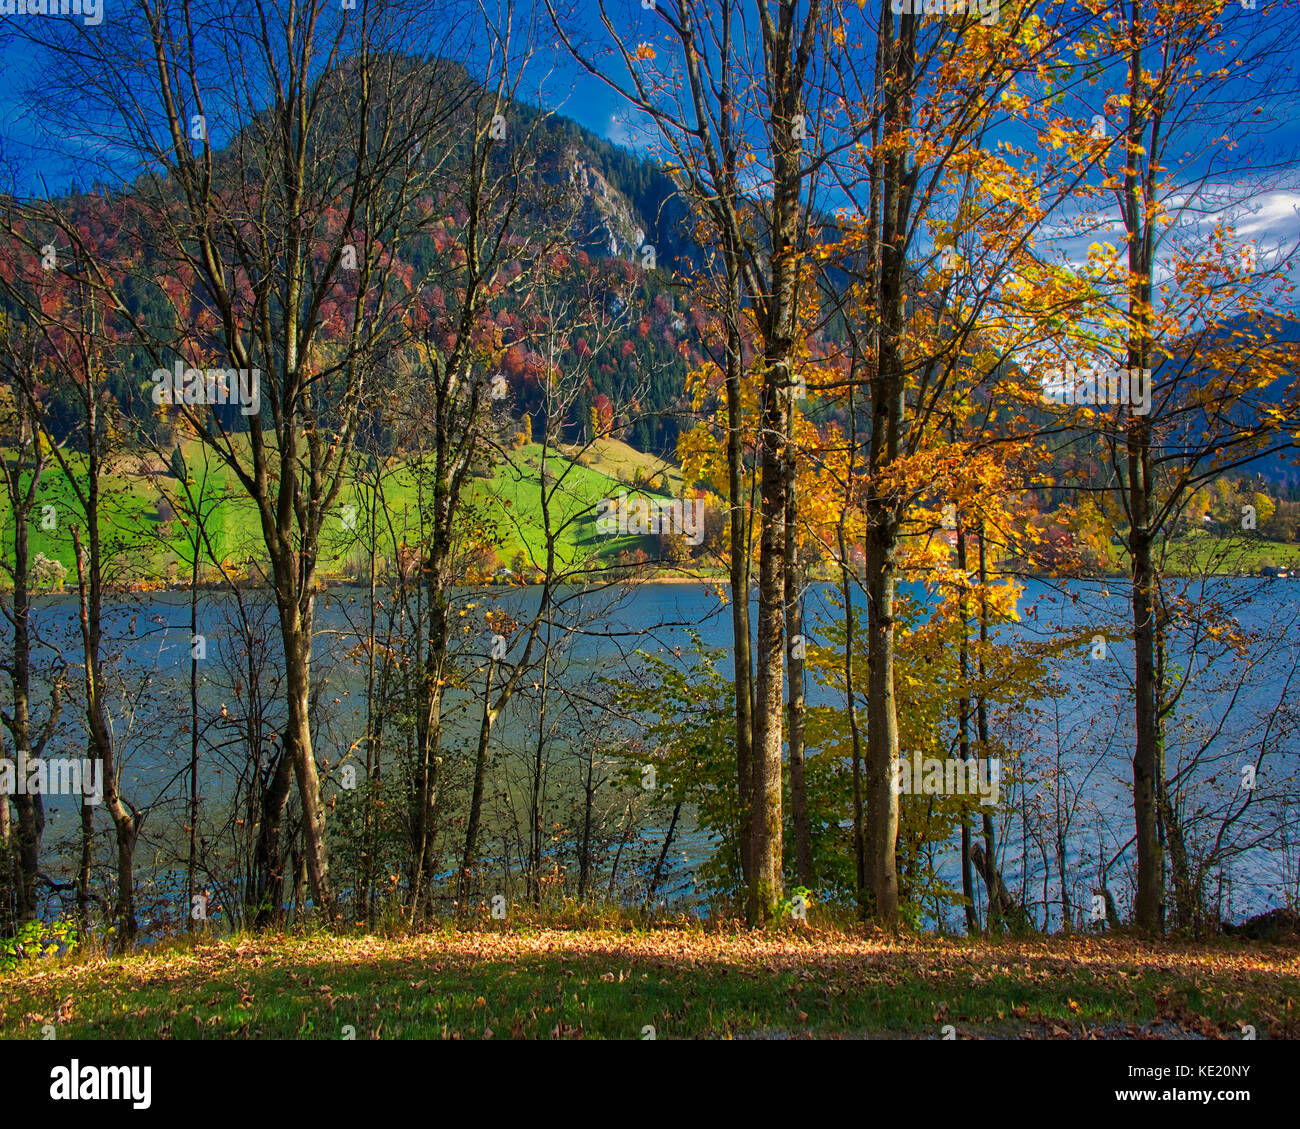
[722, 73]
[333, 134]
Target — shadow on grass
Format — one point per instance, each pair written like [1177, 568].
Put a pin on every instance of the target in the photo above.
[595, 986]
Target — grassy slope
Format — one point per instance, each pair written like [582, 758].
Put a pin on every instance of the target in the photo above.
[683, 981]
[620, 461]
[1200, 552]
[510, 498]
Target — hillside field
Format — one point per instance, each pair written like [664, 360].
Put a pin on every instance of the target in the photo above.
[508, 501]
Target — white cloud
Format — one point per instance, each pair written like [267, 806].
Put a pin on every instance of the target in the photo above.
[637, 136]
[1267, 216]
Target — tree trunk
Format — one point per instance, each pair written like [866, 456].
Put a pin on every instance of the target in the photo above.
[30, 808]
[1185, 900]
[100, 739]
[429, 732]
[83, 865]
[374, 722]
[1149, 904]
[855, 733]
[882, 725]
[476, 800]
[539, 774]
[618, 855]
[265, 899]
[296, 636]
[766, 884]
[1148, 908]
[995, 886]
[192, 859]
[1067, 910]
[663, 854]
[739, 573]
[882, 712]
[796, 710]
[963, 739]
[888, 424]
[999, 901]
[588, 806]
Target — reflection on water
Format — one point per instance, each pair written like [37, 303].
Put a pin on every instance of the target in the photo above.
[1073, 785]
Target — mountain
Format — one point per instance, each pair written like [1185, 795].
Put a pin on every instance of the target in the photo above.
[1241, 337]
[621, 206]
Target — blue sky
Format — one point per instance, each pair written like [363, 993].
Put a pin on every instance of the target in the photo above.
[30, 157]
[1266, 206]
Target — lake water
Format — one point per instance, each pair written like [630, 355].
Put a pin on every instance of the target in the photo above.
[1072, 778]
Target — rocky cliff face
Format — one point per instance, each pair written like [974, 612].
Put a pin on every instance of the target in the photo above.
[606, 220]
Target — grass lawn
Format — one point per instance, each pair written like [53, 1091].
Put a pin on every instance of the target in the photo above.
[620, 461]
[152, 544]
[512, 498]
[1199, 552]
[684, 981]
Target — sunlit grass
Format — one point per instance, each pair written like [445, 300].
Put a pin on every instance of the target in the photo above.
[685, 980]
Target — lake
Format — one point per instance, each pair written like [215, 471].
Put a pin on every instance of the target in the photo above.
[1067, 796]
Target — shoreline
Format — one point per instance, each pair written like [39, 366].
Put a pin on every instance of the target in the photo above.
[340, 584]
